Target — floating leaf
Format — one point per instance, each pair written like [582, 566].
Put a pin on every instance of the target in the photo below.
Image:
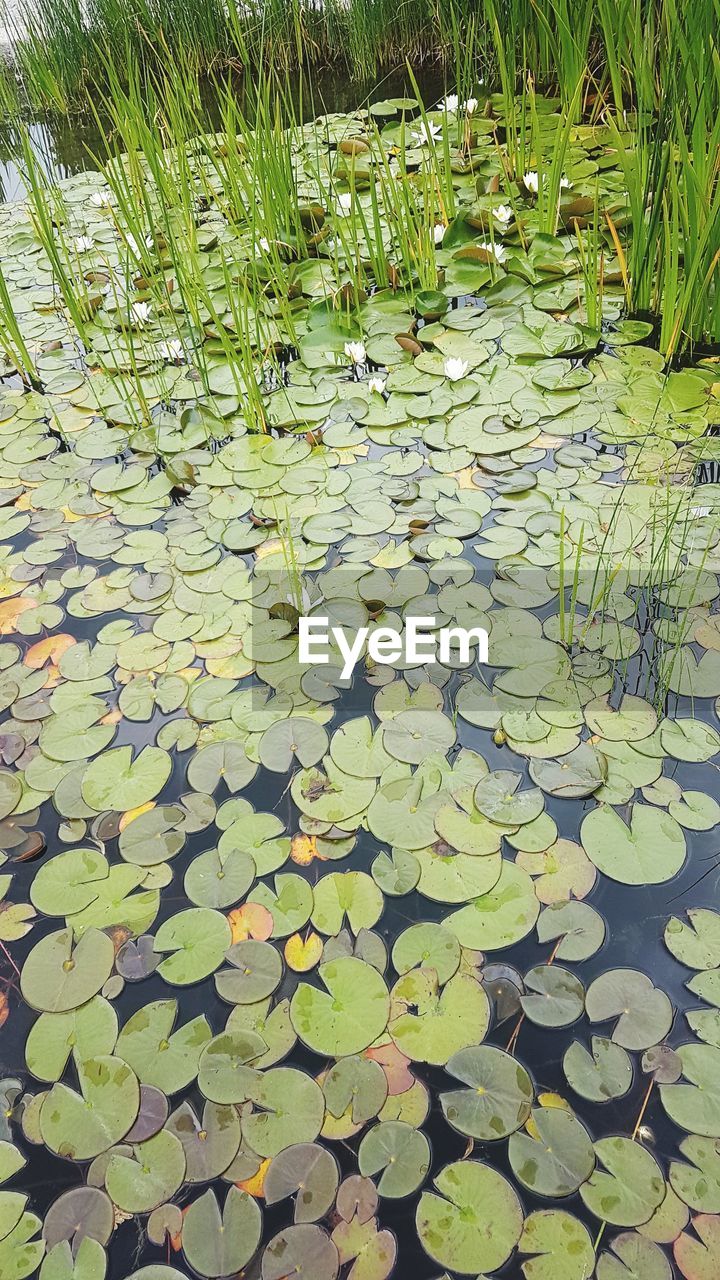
[57, 976]
[256, 972]
[650, 850]
[644, 1013]
[499, 1096]
[197, 940]
[298, 1250]
[349, 1016]
[475, 1221]
[630, 1189]
[561, 1244]
[115, 781]
[632, 1255]
[499, 918]
[289, 1109]
[698, 1256]
[158, 1055]
[217, 1243]
[697, 943]
[559, 1160]
[80, 1126]
[554, 996]
[308, 1170]
[695, 1106]
[154, 1173]
[429, 1024]
[603, 1073]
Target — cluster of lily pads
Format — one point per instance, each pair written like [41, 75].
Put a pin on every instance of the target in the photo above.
[176, 781]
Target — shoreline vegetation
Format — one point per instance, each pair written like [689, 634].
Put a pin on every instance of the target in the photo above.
[641, 79]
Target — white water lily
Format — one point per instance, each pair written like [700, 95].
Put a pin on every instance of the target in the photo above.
[83, 243]
[455, 369]
[344, 202]
[497, 250]
[377, 384]
[438, 232]
[450, 103]
[140, 313]
[470, 106]
[100, 200]
[531, 181]
[565, 184]
[503, 214]
[355, 352]
[427, 134]
[172, 350]
[134, 246]
[262, 245]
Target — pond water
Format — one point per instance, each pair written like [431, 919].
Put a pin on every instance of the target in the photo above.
[414, 972]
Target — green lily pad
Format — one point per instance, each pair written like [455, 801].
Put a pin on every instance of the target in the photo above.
[57, 976]
[158, 1055]
[498, 1098]
[348, 1016]
[115, 781]
[153, 1175]
[196, 940]
[80, 1126]
[603, 1073]
[561, 1246]
[648, 850]
[500, 917]
[695, 1106]
[218, 1242]
[399, 1153]
[644, 1013]
[475, 1220]
[630, 1187]
[307, 1171]
[559, 1160]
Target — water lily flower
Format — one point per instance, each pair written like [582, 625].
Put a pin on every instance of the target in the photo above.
[427, 134]
[450, 103]
[262, 245]
[100, 200]
[470, 105]
[134, 246]
[439, 232]
[344, 202]
[455, 369]
[377, 384]
[172, 350]
[355, 352]
[140, 313]
[497, 250]
[565, 184]
[503, 214]
[530, 181]
[83, 243]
